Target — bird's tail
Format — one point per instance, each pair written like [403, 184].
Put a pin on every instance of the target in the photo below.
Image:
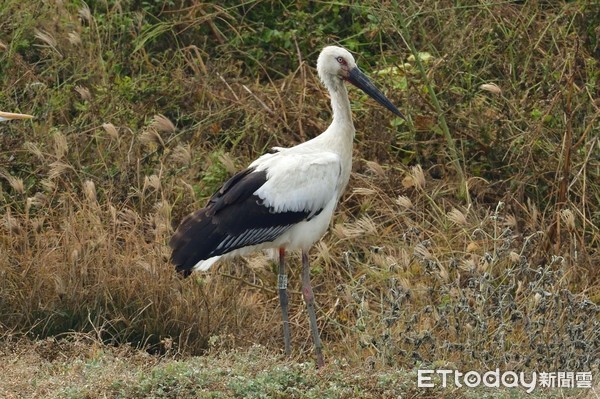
[204, 265]
[193, 242]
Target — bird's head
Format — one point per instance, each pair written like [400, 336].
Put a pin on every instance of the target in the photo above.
[337, 62]
[5, 116]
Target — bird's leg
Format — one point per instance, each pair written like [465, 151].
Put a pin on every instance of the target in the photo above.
[309, 298]
[283, 301]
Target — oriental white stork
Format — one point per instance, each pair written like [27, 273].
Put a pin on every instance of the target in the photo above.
[5, 116]
[283, 200]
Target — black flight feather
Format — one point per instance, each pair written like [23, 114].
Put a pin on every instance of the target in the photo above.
[233, 218]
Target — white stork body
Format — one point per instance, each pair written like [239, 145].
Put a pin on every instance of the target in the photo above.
[303, 234]
[284, 200]
[300, 178]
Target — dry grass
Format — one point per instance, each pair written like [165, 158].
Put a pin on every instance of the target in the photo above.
[135, 128]
[80, 367]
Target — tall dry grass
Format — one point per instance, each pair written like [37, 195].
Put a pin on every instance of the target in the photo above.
[136, 126]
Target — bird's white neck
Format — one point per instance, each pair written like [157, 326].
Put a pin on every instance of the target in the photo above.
[339, 137]
[340, 104]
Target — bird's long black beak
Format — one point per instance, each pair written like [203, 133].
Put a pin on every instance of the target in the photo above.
[360, 80]
[9, 115]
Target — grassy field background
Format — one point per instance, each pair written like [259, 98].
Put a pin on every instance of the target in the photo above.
[468, 237]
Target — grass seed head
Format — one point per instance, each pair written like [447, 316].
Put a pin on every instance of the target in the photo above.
[45, 37]
[568, 218]
[128, 218]
[363, 226]
[15, 182]
[375, 168]
[111, 130]
[85, 14]
[33, 149]
[84, 93]
[510, 221]
[48, 184]
[227, 162]
[57, 169]
[163, 210]
[89, 190]
[468, 265]
[367, 225]
[443, 272]
[39, 199]
[151, 181]
[364, 191]
[514, 257]
[60, 145]
[11, 223]
[74, 38]
[533, 214]
[404, 202]
[421, 252]
[152, 137]
[162, 124]
[418, 177]
[457, 217]
[491, 88]
[182, 155]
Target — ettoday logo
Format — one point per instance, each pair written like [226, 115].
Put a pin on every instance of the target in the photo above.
[508, 379]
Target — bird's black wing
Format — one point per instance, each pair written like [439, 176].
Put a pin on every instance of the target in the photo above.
[233, 218]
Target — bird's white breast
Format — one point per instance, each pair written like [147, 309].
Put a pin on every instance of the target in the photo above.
[304, 234]
[299, 180]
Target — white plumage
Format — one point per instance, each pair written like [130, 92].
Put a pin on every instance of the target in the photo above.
[299, 181]
[284, 200]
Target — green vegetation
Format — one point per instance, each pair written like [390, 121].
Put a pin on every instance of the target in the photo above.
[468, 236]
[92, 370]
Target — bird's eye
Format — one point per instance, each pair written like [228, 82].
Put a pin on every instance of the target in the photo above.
[341, 60]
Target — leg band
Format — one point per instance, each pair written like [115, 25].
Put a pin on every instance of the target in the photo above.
[282, 281]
